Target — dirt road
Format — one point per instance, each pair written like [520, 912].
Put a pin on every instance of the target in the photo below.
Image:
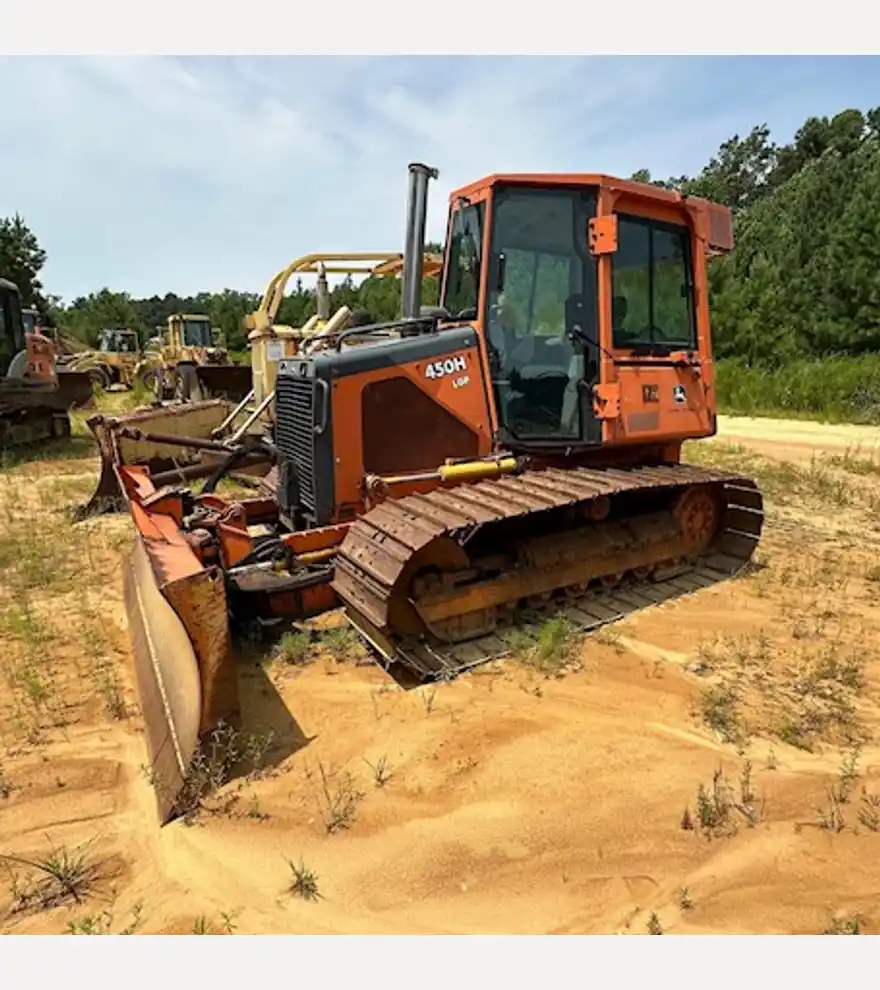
[516, 799]
[799, 440]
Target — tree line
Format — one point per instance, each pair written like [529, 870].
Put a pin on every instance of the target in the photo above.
[802, 281]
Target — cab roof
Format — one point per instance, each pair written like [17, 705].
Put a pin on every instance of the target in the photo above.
[545, 179]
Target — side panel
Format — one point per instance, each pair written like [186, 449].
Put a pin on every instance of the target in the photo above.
[400, 406]
[661, 401]
[405, 408]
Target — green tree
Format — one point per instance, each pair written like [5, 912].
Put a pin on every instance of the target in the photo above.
[22, 259]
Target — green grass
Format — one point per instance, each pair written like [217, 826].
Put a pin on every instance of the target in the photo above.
[836, 389]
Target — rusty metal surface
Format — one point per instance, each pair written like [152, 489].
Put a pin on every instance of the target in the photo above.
[168, 679]
[382, 548]
[187, 419]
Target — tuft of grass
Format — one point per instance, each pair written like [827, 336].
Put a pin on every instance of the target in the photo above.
[204, 926]
[654, 927]
[846, 925]
[338, 805]
[303, 881]
[382, 772]
[225, 750]
[62, 876]
[719, 707]
[294, 648]
[102, 924]
[685, 901]
[869, 811]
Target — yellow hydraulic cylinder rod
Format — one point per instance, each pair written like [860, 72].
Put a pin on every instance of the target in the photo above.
[465, 471]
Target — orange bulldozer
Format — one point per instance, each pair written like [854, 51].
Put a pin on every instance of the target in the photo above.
[36, 395]
[511, 454]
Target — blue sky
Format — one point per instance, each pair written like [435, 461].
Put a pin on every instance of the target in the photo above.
[185, 174]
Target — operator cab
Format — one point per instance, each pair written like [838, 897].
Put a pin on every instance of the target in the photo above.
[521, 263]
[118, 341]
[12, 331]
[197, 332]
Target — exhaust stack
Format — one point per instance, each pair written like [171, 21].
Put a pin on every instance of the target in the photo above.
[322, 294]
[414, 238]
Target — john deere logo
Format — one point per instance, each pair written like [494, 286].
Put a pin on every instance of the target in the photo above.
[678, 394]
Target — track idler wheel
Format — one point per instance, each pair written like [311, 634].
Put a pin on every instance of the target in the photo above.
[698, 511]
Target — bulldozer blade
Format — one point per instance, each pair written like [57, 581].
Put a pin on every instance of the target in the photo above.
[232, 381]
[196, 419]
[183, 666]
[75, 389]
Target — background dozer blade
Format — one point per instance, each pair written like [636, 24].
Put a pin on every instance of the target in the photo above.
[178, 626]
[74, 389]
[196, 419]
[232, 381]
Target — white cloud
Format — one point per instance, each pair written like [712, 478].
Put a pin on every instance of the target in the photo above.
[157, 174]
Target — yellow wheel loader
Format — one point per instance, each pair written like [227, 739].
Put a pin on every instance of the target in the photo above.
[118, 359]
[192, 364]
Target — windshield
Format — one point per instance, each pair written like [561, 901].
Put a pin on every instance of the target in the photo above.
[29, 319]
[465, 250]
[118, 342]
[197, 333]
[540, 270]
[652, 285]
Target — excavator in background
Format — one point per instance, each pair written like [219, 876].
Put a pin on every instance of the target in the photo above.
[214, 425]
[35, 395]
[511, 455]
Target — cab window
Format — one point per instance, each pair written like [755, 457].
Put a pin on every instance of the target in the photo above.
[652, 285]
[465, 256]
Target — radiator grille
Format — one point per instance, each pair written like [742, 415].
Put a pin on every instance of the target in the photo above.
[295, 432]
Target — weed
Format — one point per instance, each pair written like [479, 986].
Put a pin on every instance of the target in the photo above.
[343, 642]
[303, 881]
[202, 926]
[847, 774]
[211, 767]
[685, 901]
[382, 773]
[830, 817]
[746, 794]
[64, 875]
[293, 648]
[719, 709]
[848, 925]
[429, 697]
[338, 806]
[102, 924]
[654, 927]
[869, 811]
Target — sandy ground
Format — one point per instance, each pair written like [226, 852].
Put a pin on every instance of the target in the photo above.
[513, 800]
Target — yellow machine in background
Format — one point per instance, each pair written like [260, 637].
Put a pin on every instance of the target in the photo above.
[191, 364]
[217, 422]
[117, 360]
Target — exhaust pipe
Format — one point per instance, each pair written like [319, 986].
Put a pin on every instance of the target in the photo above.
[414, 238]
[322, 294]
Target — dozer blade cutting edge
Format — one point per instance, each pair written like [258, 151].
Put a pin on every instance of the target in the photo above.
[178, 626]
